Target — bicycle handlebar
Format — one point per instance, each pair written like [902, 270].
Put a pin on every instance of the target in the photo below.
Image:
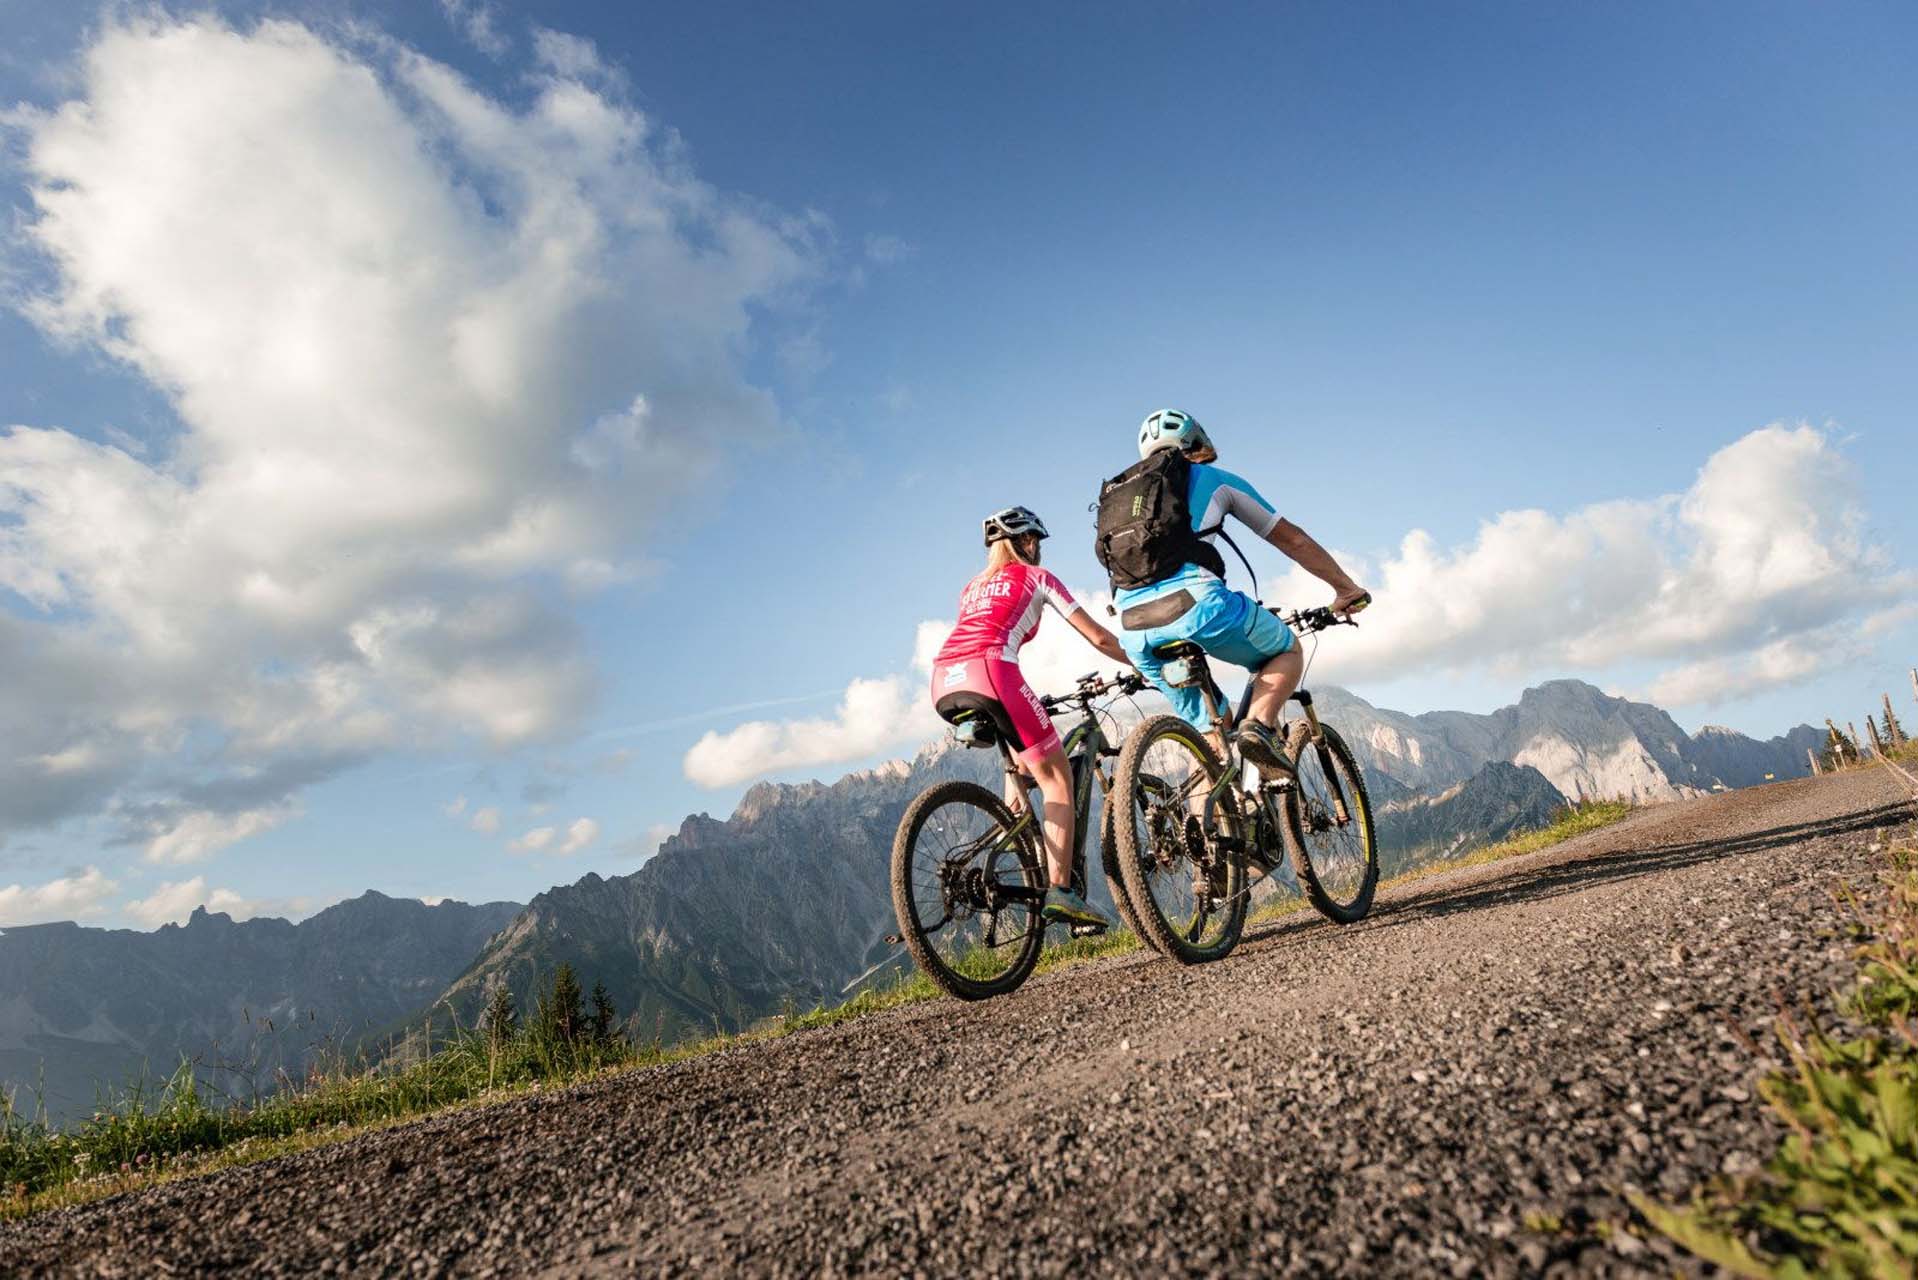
[1311, 620]
[1092, 685]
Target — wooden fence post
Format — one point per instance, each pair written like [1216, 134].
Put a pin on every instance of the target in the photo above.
[1812, 756]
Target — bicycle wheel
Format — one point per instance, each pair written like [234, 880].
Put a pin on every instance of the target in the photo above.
[968, 892]
[1109, 858]
[1328, 826]
[1187, 886]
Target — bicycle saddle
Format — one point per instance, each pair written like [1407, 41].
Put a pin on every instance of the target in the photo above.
[1177, 649]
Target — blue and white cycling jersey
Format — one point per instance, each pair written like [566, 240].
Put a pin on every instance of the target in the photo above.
[1215, 494]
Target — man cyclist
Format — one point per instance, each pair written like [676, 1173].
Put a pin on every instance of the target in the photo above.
[1168, 575]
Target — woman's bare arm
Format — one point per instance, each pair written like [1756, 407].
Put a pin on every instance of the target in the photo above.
[1099, 638]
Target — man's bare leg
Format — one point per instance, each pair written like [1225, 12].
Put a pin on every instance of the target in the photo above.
[1273, 683]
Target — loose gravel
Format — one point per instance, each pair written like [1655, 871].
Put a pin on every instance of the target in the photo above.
[1465, 1084]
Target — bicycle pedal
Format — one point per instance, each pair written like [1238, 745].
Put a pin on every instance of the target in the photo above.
[1085, 930]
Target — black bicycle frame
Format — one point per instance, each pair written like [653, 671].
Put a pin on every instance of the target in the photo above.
[1085, 746]
[1215, 696]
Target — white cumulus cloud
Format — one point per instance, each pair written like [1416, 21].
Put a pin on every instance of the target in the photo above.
[72, 897]
[417, 340]
[1726, 581]
[580, 834]
[885, 712]
[563, 844]
[174, 901]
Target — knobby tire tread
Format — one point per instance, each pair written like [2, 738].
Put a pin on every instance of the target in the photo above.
[928, 960]
[1152, 924]
[1294, 825]
[1115, 883]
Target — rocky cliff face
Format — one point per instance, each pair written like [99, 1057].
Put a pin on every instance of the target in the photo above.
[105, 1006]
[1586, 743]
[1417, 828]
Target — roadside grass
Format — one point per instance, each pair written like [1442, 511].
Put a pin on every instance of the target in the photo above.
[1840, 1196]
[150, 1134]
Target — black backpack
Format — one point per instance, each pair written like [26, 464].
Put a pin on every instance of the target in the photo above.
[1145, 532]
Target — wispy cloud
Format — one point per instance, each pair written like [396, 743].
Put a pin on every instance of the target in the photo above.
[478, 21]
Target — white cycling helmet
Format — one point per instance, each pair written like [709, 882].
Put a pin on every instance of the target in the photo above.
[1170, 429]
[1013, 522]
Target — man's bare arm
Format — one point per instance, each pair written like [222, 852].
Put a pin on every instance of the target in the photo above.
[1317, 561]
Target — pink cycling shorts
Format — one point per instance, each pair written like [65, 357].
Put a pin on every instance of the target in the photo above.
[1033, 735]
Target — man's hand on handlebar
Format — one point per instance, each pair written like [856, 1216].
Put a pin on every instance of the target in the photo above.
[1350, 601]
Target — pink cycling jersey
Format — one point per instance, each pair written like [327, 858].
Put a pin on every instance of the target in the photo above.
[998, 613]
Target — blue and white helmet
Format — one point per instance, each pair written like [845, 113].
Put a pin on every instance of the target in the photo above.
[1170, 429]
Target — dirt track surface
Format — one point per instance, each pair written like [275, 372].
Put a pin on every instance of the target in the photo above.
[1420, 1094]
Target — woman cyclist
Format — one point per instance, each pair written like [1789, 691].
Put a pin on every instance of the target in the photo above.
[977, 671]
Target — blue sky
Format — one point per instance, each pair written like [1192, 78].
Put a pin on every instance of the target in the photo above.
[1416, 268]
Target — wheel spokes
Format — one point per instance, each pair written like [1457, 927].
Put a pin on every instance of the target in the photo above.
[960, 860]
[1166, 806]
[1337, 850]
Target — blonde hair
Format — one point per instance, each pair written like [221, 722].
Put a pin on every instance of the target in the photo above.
[1001, 553]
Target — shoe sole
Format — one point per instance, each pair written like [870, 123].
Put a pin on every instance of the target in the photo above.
[1061, 917]
[1257, 756]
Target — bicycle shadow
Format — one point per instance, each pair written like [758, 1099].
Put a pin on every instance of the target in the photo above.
[1557, 878]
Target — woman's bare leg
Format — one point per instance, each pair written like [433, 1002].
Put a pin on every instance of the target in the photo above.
[1054, 777]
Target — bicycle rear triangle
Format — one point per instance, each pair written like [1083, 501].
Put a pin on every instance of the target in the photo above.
[968, 879]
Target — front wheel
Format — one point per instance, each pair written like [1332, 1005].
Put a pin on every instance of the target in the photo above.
[968, 889]
[1187, 885]
[1328, 826]
[1109, 859]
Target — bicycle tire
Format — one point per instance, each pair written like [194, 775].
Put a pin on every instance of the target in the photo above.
[1139, 862]
[1115, 883]
[911, 930]
[1309, 759]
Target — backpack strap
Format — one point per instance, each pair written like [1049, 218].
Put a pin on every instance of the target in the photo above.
[1219, 529]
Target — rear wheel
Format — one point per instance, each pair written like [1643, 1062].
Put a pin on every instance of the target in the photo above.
[1187, 886]
[968, 891]
[1328, 826]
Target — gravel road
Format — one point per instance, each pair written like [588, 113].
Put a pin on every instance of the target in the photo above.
[1462, 1085]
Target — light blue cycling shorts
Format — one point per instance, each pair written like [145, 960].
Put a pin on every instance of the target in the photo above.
[1227, 624]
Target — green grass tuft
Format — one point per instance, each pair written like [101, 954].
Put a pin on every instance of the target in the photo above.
[1840, 1197]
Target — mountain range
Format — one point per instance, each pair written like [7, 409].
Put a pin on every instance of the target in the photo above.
[244, 999]
[776, 907]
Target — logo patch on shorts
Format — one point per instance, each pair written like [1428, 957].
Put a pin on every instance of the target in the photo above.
[956, 675]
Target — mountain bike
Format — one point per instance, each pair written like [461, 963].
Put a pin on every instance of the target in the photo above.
[968, 875]
[1195, 815]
